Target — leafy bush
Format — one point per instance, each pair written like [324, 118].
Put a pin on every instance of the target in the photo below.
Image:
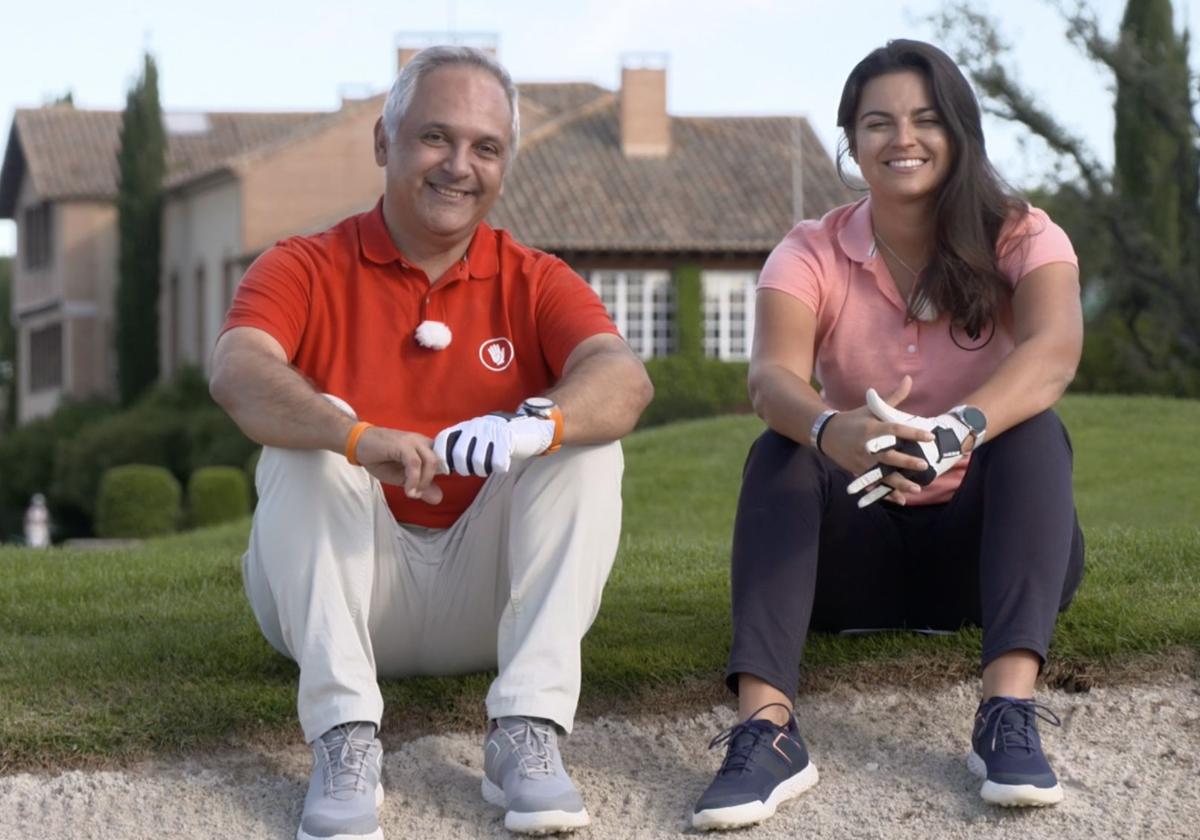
[137, 500]
[27, 456]
[216, 495]
[215, 440]
[687, 387]
[142, 435]
[176, 426]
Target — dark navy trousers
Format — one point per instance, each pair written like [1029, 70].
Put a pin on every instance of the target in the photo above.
[1005, 553]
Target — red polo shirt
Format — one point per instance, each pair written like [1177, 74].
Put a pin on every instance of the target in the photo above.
[345, 305]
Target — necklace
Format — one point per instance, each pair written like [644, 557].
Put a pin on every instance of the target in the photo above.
[927, 311]
[915, 272]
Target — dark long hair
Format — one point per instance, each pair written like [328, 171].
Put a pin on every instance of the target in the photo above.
[973, 204]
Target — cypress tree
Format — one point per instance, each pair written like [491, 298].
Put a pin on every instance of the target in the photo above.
[141, 162]
[1154, 150]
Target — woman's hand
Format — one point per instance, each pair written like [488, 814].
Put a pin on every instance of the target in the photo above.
[846, 436]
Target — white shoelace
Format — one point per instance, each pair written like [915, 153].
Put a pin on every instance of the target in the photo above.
[531, 742]
[345, 762]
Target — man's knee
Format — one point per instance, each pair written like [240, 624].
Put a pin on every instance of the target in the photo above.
[598, 466]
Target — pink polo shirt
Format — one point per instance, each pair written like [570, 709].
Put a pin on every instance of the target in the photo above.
[862, 340]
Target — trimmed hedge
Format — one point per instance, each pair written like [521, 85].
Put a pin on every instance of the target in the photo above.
[689, 387]
[176, 426]
[216, 495]
[138, 500]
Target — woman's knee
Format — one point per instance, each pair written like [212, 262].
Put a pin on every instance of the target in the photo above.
[777, 458]
[1043, 430]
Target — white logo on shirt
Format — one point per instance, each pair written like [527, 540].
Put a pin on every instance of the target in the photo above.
[496, 353]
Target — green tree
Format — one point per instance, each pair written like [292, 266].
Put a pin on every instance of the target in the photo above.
[1150, 155]
[141, 161]
[8, 349]
[1145, 330]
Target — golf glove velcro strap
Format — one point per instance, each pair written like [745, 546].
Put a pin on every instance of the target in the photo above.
[489, 444]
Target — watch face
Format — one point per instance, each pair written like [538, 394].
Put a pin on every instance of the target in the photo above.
[538, 407]
[974, 418]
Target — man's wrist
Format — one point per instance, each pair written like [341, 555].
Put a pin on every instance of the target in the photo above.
[545, 408]
[352, 438]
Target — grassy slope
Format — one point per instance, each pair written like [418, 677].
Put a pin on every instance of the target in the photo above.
[108, 654]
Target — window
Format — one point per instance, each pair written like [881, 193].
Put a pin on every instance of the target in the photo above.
[230, 284]
[38, 236]
[173, 321]
[199, 314]
[46, 358]
[642, 305]
[728, 314]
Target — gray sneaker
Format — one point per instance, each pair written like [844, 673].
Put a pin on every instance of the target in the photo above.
[344, 792]
[524, 774]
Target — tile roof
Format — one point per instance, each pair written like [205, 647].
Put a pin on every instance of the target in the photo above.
[726, 185]
[71, 152]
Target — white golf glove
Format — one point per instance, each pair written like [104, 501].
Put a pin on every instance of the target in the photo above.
[940, 454]
[489, 444]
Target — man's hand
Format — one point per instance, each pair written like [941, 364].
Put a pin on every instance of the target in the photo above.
[946, 445]
[489, 444]
[401, 458]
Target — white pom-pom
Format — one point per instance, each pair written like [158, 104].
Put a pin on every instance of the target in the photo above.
[433, 334]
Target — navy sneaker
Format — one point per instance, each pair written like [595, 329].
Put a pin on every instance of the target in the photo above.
[765, 765]
[1007, 753]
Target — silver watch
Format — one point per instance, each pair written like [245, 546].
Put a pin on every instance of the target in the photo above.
[973, 418]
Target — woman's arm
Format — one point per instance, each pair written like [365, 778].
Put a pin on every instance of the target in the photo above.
[781, 365]
[1048, 330]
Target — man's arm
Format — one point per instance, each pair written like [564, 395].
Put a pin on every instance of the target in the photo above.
[274, 405]
[603, 391]
[269, 399]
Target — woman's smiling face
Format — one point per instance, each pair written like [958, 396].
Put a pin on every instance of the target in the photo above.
[900, 144]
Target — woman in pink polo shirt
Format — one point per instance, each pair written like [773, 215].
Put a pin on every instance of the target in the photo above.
[958, 304]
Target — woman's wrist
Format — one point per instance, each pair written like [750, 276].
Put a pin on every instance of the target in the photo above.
[818, 428]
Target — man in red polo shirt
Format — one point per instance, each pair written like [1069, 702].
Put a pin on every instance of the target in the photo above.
[402, 527]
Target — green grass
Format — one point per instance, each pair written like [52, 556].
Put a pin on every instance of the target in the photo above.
[108, 656]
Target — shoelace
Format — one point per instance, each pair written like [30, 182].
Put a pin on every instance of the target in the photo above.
[345, 762]
[738, 759]
[1015, 732]
[531, 743]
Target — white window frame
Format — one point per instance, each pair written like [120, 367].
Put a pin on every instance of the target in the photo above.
[718, 290]
[647, 345]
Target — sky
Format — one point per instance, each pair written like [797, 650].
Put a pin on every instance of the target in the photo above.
[760, 57]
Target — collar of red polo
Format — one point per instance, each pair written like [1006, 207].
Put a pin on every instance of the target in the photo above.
[378, 247]
[857, 235]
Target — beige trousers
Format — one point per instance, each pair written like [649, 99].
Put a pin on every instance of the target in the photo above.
[351, 595]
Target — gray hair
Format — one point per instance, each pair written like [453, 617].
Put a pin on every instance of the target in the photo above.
[400, 97]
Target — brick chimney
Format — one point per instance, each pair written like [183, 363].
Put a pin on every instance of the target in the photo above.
[645, 125]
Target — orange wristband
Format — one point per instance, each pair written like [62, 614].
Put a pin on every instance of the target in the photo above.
[352, 441]
[556, 441]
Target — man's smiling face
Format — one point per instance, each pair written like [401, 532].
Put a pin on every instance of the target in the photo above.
[445, 165]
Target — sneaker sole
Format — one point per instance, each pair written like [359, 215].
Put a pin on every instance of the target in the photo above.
[737, 816]
[534, 822]
[1012, 796]
[377, 834]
